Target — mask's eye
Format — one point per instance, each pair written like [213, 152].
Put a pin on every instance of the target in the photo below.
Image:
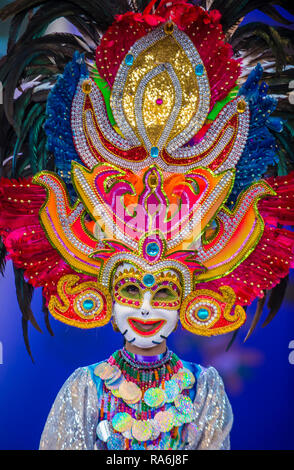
[131, 292]
[165, 294]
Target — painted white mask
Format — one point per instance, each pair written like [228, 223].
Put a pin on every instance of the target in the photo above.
[146, 308]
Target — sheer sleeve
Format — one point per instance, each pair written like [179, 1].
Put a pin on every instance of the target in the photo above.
[214, 417]
[72, 420]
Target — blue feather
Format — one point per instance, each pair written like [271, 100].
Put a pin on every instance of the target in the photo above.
[261, 149]
[58, 126]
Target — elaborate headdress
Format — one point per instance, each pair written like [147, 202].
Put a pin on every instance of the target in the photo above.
[159, 147]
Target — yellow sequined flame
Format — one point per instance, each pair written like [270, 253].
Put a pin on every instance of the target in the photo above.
[65, 225]
[207, 313]
[159, 94]
[84, 304]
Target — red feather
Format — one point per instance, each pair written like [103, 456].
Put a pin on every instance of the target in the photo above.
[274, 254]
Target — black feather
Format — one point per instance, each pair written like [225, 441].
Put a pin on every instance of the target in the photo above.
[267, 37]
[24, 292]
[100, 13]
[46, 316]
[2, 257]
[25, 333]
[257, 315]
[232, 11]
[232, 340]
[273, 13]
[276, 299]
[15, 27]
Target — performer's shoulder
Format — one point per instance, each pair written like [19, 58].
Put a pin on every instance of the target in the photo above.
[85, 374]
[196, 369]
[205, 373]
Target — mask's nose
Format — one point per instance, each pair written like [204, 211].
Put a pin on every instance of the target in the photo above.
[146, 305]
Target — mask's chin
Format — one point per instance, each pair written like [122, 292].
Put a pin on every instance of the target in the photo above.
[144, 332]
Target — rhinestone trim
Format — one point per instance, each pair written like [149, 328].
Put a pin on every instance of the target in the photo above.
[209, 139]
[186, 232]
[230, 225]
[65, 220]
[115, 259]
[203, 83]
[204, 92]
[77, 123]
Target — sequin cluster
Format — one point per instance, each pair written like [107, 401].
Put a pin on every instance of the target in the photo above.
[230, 222]
[95, 137]
[141, 45]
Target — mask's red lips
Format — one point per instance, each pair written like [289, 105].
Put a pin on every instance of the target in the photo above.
[146, 327]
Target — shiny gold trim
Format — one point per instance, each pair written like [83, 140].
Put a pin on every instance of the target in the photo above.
[227, 296]
[67, 286]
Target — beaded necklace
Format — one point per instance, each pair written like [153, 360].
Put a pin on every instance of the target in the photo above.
[145, 401]
[151, 371]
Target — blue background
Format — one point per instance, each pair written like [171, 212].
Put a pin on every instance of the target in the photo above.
[258, 375]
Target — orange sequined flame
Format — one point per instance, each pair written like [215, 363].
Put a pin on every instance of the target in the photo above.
[209, 313]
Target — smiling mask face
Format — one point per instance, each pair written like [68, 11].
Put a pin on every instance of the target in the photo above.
[146, 307]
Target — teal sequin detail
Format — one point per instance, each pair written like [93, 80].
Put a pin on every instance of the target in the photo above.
[203, 314]
[129, 60]
[154, 152]
[88, 304]
[152, 249]
[148, 280]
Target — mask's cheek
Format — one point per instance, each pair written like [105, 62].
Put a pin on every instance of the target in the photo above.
[171, 317]
[121, 314]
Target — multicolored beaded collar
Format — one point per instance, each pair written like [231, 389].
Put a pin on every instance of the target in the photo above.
[146, 362]
[145, 401]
